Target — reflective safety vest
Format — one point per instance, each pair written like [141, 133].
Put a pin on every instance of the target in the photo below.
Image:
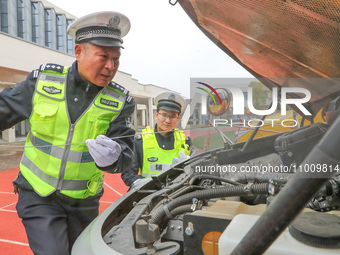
[55, 156]
[156, 159]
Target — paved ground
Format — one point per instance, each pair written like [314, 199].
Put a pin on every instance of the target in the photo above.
[10, 154]
[13, 240]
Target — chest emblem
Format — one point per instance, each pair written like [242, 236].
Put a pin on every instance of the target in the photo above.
[51, 90]
[152, 159]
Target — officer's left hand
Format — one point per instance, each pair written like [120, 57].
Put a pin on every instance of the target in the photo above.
[103, 150]
[139, 183]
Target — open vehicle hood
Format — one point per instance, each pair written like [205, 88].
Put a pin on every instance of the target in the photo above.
[275, 40]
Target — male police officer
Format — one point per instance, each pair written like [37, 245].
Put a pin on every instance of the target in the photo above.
[60, 179]
[156, 151]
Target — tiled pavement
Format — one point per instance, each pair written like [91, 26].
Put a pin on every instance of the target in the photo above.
[13, 238]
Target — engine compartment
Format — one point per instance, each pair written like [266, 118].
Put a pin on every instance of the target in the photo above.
[186, 209]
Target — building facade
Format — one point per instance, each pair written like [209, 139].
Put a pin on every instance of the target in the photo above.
[38, 22]
[33, 32]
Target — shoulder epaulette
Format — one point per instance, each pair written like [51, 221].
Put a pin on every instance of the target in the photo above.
[36, 73]
[119, 87]
[51, 67]
[129, 98]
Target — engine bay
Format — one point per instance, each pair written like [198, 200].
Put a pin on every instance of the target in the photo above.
[198, 206]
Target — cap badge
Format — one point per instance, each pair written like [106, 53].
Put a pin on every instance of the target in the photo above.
[114, 22]
[171, 97]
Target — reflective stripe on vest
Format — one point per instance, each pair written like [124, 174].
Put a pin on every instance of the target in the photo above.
[56, 156]
[156, 159]
[57, 152]
[67, 184]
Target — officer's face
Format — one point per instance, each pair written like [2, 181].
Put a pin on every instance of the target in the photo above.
[166, 120]
[97, 64]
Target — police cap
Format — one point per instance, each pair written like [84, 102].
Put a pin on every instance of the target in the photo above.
[100, 28]
[170, 101]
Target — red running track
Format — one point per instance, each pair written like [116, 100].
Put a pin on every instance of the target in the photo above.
[13, 240]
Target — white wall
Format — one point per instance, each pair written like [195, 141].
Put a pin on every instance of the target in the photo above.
[25, 56]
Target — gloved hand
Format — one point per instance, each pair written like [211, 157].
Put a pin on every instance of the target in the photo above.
[103, 150]
[139, 183]
[182, 157]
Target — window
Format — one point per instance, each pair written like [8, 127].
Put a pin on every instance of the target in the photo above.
[21, 18]
[35, 23]
[61, 31]
[48, 28]
[70, 40]
[4, 16]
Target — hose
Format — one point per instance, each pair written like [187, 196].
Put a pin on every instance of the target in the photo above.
[178, 193]
[281, 178]
[186, 189]
[240, 190]
[213, 177]
[180, 210]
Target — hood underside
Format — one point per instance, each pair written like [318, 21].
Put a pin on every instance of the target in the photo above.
[278, 39]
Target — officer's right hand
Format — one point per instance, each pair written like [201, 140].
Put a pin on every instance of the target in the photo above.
[103, 150]
[182, 156]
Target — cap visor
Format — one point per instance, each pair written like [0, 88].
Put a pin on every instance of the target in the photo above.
[106, 42]
[167, 108]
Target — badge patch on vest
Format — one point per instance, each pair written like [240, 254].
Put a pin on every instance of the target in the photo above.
[153, 159]
[51, 90]
[154, 167]
[109, 103]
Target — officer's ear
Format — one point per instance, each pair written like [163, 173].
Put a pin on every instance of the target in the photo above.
[78, 50]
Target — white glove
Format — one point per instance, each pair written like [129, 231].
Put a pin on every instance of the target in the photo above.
[139, 183]
[182, 157]
[103, 150]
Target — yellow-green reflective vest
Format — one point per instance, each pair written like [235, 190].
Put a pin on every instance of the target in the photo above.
[55, 156]
[155, 159]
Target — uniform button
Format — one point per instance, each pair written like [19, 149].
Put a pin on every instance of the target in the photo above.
[163, 146]
[75, 99]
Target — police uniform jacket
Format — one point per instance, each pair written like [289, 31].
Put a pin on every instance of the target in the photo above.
[16, 105]
[165, 142]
